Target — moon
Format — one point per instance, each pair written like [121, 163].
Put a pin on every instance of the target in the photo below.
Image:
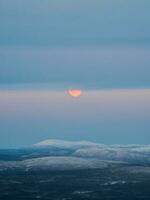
[75, 93]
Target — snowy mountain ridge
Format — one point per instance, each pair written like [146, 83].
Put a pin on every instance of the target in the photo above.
[61, 155]
[84, 143]
[86, 149]
[64, 143]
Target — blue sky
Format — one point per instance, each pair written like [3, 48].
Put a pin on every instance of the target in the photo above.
[80, 22]
[86, 67]
[99, 46]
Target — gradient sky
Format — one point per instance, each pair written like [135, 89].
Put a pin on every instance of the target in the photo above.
[99, 46]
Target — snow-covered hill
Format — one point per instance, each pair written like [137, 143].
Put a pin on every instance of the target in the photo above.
[54, 163]
[86, 149]
[65, 144]
[62, 155]
[132, 155]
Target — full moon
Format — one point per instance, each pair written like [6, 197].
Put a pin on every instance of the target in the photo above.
[75, 93]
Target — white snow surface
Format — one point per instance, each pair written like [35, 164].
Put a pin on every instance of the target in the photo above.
[86, 149]
[65, 144]
[79, 155]
[54, 163]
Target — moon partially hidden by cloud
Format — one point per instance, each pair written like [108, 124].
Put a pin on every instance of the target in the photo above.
[75, 93]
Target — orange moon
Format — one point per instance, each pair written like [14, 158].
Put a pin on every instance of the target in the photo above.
[75, 93]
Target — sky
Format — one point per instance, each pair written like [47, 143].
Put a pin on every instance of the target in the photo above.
[101, 47]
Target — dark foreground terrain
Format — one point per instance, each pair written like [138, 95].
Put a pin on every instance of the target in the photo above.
[75, 170]
[114, 183]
